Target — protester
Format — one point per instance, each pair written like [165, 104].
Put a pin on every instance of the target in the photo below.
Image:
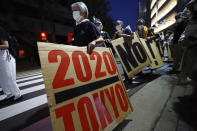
[104, 34]
[141, 29]
[169, 36]
[188, 41]
[167, 41]
[121, 32]
[8, 69]
[177, 50]
[126, 34]
[85, 32]
[151, 34]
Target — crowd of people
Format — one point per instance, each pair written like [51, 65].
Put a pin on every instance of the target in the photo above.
[182, 40]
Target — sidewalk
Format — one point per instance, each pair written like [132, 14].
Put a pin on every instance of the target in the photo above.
[156, 107]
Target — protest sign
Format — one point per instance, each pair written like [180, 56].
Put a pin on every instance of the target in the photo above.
[85, 92]
[132, 55]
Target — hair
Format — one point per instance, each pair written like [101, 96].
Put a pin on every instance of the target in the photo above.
[121, 22]
[83, 8]
[97, 21]
[141, 20]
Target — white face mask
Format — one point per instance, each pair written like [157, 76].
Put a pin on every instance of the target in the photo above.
[118, 27]
[76, 16]
[140, 27]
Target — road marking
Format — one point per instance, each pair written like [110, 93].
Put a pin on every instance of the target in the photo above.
[30, 82]
[30, 74]
[28, 78]
[32, 89]
[21, 107]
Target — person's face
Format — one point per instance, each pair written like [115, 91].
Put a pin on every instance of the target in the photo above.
[77, 9]
[140, 26]
[99, 26]
[118, 26]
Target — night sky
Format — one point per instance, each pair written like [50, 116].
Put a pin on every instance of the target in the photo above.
[125, 10]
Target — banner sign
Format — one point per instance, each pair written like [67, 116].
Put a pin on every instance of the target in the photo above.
[85, 92]
[131, 54]
[153, 54]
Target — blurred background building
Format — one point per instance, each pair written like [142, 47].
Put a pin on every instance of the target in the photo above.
[144, 11]
[44, 20]
[163, 13]
[160, 12]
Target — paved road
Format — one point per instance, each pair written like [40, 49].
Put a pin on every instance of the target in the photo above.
[33, 107]
[28, 110]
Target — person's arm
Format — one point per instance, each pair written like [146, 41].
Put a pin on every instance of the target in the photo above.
[116, 34]
[4, 45]
[128, 34]
[107, 36]
[96, 36]
[91, 45]
[98, 41]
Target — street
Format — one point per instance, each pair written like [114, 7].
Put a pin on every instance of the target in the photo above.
[101, 65]
[33, 106]
[31, 112]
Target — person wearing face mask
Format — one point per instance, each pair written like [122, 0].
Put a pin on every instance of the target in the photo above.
[128, 34]
[141, 29]
[177, 50]
[85, 32]
[121, 32]
[188, 41]
[104, 34]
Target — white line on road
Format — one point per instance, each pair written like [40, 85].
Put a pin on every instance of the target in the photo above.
[28, 75]
[30, 82]
[21, 107]
[28, 90]
[32, 89]
[29, 78]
